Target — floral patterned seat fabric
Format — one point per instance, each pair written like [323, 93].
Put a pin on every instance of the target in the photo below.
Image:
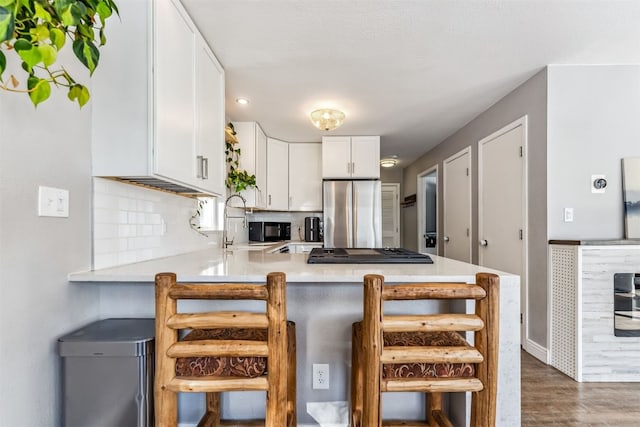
[248, 367]
[425, 370]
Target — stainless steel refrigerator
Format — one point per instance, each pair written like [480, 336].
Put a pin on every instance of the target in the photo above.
[352, 213]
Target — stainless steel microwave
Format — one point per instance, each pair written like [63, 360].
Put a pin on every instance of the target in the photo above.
[269, 231]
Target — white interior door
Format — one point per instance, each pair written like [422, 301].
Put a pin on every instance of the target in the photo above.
[457, 206]
[391, 215]
[502, 204]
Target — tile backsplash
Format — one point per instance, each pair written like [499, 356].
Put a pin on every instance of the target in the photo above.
[132, 224]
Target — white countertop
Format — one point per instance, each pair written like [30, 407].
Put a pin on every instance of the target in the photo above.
[216, 265]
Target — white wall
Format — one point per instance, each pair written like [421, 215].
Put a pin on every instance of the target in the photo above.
[593, 121]
[47, 146]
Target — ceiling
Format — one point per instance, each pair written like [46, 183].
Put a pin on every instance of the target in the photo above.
[412, 71]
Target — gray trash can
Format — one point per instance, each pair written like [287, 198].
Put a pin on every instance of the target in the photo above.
[107, 374]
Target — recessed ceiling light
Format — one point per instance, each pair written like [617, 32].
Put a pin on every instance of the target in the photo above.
[242, 101]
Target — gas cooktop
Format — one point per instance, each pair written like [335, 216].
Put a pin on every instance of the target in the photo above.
[366, 256]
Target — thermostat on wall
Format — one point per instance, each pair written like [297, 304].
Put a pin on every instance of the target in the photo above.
[598, 183]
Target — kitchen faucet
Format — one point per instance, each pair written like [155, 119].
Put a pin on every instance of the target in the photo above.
[225, 241]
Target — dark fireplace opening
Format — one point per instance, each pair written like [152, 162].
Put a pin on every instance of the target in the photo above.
[626, 304]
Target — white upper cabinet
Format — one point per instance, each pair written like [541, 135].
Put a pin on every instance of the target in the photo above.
[365, 157]
[174, 98]
[336, 157]
[277, 175]
[351, 157]
[305, 177]
[209, 154]
[158, 102]
[253, 158]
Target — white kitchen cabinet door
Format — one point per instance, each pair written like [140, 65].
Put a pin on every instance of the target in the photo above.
[209, 161]
[261, 168]
[174, 93]
[253, 158]
[277, 175]
[305, 177]
[365, 157]
[336, 157]
[158, 122]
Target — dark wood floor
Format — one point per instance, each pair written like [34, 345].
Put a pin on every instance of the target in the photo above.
[550, 398]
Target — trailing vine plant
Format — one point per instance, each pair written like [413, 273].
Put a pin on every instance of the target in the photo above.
[35, 31]
[193, 221]
[237, 179]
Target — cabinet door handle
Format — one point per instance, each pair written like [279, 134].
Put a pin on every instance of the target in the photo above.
[269, 199]
[205, 168]
[290, 202]
[349, 167]
[200, 166]
[353, 168]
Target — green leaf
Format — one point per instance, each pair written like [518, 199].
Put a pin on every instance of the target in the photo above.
[42, 13]
[22, 44]
[39, 89]
[31, 56]
[103, 38]
[79, 93]
[7, 3]
[3, 64]
[103, 10]
[48, 53]
[70, 11]
[57, 38]
[6, 24]
[39, 33]
[86, 31]
[87, 53]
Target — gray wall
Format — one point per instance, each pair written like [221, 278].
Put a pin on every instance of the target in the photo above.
[593, 123]
[44, 146]
[528, 99]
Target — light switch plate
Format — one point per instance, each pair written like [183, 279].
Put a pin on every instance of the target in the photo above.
[568, 214]
[53, 202]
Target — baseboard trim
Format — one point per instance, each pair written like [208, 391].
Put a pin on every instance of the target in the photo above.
[537, 351]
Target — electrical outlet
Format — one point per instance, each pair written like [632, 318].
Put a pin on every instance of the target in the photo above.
[320, 376]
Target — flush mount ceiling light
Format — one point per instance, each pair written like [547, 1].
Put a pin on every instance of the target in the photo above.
[242, 101]
[327, 118]
[389, 162]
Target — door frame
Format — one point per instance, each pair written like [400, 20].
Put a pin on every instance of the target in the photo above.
[527, 344]
[396, 207]
[420, 200]
[466, 150]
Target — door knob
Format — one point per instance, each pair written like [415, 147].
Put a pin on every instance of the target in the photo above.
[483, 242]
[445, 238]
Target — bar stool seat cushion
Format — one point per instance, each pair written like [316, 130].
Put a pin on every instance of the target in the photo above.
[222, 366]
[425, 370]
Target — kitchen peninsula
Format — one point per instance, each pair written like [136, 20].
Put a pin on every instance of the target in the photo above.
[324, 300]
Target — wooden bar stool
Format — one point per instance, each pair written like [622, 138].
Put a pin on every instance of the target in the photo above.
[224, 351]
[426, 353]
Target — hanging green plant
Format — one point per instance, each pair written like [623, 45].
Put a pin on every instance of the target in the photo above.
[237, 179]
[34, 31]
